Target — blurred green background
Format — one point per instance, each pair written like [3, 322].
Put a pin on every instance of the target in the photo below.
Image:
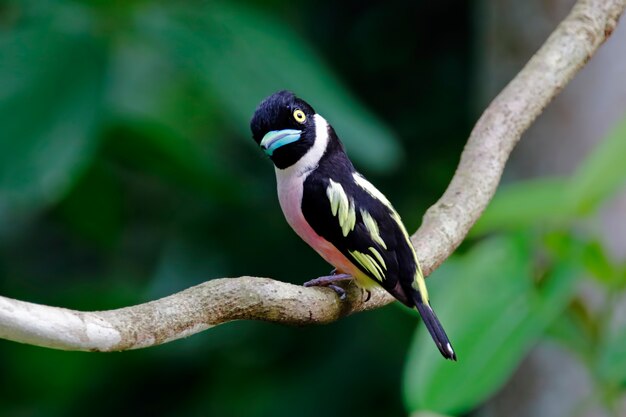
[127, 172]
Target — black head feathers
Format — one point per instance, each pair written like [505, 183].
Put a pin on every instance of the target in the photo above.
[276, 112]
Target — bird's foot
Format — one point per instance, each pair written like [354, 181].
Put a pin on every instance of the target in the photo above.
[329, 281]
[340, 291]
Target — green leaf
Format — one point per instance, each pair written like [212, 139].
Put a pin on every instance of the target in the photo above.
[567, 331]
[597, 262]
[147, 87]
[523, 204]
[50, 93]
[558, 200]
[241, 56]
[170, 131]
[611, 364]
[493, 314]
[601, 174]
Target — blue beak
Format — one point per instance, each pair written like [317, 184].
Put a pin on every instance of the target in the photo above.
[277, 138]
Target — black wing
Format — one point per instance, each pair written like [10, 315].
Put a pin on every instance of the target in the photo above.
[364, 228]
[345, 209]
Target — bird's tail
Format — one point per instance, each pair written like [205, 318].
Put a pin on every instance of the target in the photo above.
[434, 326]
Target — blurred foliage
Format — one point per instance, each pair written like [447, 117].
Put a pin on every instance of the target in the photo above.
[501, 320]
[127, 172]
[531, 233]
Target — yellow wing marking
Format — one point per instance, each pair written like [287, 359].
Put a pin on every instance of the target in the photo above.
[372, 228]
[380, 259]
[342, 207]
[419, 283]
[418, 280]
[373, 191]
[369, 264]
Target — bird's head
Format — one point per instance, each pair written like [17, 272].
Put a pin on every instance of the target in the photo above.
[284, 126]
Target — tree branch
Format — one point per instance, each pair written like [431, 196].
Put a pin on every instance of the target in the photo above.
[500, 127]
[444, 227]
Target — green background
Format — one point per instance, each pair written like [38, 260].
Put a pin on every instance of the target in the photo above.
[127, 173]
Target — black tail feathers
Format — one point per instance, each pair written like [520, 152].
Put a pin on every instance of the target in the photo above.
[434, 327]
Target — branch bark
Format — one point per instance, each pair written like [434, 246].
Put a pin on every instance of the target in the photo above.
[444, 227]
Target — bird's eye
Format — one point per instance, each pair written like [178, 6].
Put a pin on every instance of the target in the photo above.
[299, 116]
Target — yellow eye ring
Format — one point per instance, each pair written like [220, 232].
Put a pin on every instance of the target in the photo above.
[299, 116]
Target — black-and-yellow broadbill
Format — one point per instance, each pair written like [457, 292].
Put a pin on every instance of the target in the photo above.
[334, 209]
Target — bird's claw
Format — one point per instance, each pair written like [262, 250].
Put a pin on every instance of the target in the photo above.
[329, 281]
[340, 291]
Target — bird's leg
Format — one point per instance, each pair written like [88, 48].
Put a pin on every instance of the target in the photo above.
[329, 281]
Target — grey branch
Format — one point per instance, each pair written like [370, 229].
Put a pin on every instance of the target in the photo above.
[444, 227]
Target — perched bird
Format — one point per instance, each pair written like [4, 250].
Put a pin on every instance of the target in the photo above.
[337, 211]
